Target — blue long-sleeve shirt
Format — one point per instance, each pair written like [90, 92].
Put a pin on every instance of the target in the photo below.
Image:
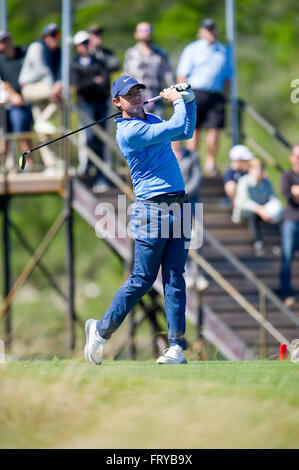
[146, 145]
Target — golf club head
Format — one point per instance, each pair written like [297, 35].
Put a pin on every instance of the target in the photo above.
[22, 160]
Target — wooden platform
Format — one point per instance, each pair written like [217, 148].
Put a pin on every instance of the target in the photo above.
[32, 183]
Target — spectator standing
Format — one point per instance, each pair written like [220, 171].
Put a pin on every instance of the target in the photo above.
[239, 156]
[256, 201]
[40, 83]
[107, 56]
[290, 225]
[149, 64]
[205, 64]
[91, 81]
[18, 116]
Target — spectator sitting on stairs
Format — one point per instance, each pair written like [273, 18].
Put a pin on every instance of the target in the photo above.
[256, 202]
[239, 156]
[290, 226]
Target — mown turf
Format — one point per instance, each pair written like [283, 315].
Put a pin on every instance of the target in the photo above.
[122, 404]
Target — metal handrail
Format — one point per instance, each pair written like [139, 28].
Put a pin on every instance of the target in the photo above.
[262, 152]
[110, 174]
[213, 273]
[235, 294]
[250, 276]
[264, 123]
[220, 248]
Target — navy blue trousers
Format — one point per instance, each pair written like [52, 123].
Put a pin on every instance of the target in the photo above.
[161, 239]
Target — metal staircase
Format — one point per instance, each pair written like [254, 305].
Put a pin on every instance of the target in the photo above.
[239, 313]
[242, 316]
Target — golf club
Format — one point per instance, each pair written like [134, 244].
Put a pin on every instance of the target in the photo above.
[22, 158]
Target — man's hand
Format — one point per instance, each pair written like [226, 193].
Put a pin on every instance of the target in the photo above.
[185, 91]
[261, 211]
[295, 192]
[56, 93]
[16, 99]
[170, 94]
[99, 80]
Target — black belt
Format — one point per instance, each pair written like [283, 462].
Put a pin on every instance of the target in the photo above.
[180, 198]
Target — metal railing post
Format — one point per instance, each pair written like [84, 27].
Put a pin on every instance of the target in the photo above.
[6, 268]
[263, 332]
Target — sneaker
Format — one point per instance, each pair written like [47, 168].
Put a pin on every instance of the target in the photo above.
[93, 350]
[202, 283]
[276, 250]
[258, 248]
[289, 301]
[173, 355]
[99, 188]
[235, 218]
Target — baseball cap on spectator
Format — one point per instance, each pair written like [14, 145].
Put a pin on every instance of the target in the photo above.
[80, 37]
[209, 24]
[4, 35]
[122, 85]
[240, 152]
[95, 29]
[50, 29]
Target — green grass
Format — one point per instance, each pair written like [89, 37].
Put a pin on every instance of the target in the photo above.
[123, 404]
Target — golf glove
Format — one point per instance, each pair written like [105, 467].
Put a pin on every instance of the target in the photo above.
[186, 92]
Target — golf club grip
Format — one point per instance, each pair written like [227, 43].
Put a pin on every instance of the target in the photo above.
[157, 98]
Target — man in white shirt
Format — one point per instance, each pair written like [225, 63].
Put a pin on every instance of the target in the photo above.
[205, 64]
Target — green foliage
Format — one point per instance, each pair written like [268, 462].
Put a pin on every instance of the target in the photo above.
[267, 38]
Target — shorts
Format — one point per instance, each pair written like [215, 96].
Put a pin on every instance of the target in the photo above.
[19, 119]
[210, 110]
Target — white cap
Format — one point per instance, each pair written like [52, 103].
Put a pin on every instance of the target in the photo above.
[240, 152]
[80, 37]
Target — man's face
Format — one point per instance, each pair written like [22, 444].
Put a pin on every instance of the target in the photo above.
[294, 159]
[209, 35]
[4, 45]
[82, 48]
[257, 171]
[143, 32]
[95, 40]
[132, 102]
[240, 164]
[51, 40]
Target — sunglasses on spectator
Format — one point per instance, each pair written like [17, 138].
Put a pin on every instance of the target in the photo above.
[85, 43]
[145, 30]
[55, 34]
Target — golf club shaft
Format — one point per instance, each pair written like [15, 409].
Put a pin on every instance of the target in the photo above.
[71, 133]
[23, 156]
[157, 98]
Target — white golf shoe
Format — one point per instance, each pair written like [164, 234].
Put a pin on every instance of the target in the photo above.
[173, 355]
[93, 350]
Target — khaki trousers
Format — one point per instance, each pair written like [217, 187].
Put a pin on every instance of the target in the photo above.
[38, 94]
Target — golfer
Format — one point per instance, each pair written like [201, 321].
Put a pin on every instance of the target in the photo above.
[145, 141]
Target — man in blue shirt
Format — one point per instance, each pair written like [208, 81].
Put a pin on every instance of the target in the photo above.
[145, 141]
[205, 64]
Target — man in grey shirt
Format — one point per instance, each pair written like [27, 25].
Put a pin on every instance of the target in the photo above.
[149, 64]
[40, 84]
